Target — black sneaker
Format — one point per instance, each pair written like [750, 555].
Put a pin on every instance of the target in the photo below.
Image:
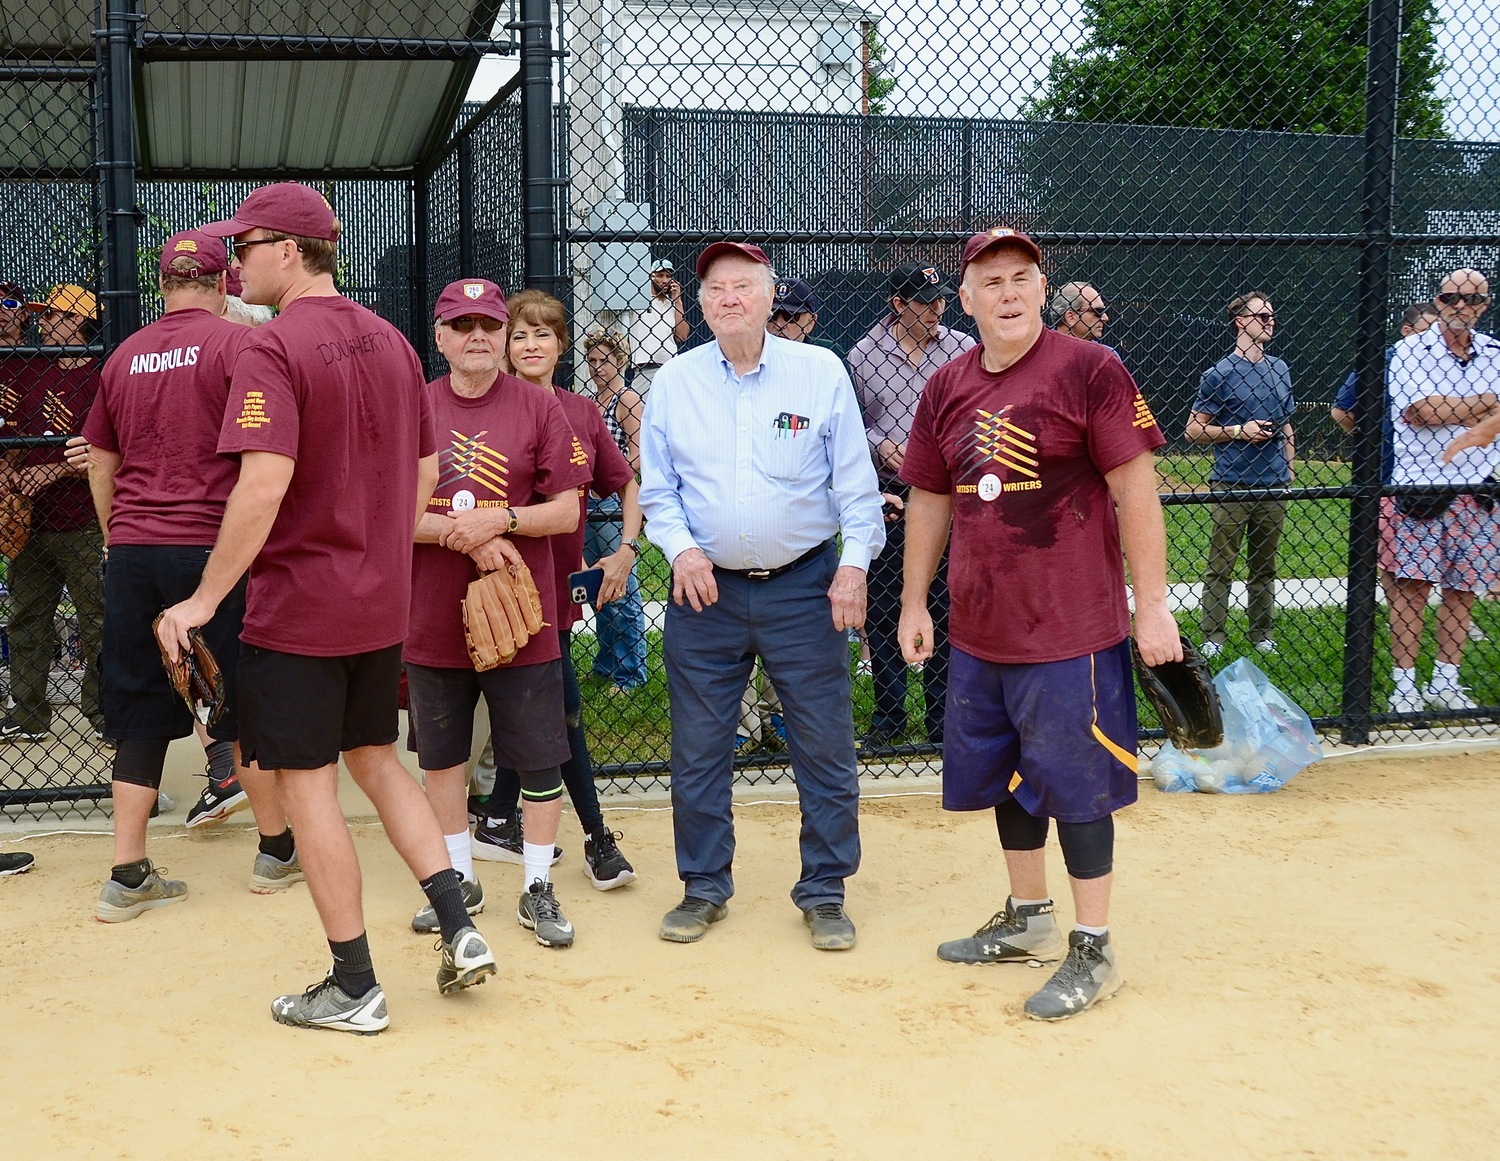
[218, 801]
[832, 929]
[12, 731]
[879, 738]
[603, 863]
[16, 863]
[1026, 934]
[500, 840]
[1088, 975]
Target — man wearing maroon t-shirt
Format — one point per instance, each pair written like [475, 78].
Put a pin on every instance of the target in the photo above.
[508, 475]
[328, 413]
[1038, 447]
[159, 487]
[52, 396]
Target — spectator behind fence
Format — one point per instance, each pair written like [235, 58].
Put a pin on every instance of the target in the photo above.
[1244, 408]
[52, 397]
[656, 331]
[1078, 309]
[1414, 320]
[891, 364]
[13, 315]
[753, 461]
[620, 625]
[1442, 381]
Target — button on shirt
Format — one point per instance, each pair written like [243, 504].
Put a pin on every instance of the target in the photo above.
[759, 469]
[888, 385]
[1422, 365]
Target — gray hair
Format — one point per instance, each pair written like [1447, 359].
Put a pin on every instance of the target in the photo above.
[1069, 296]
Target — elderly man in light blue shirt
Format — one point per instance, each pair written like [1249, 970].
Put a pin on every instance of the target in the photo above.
[753, 461]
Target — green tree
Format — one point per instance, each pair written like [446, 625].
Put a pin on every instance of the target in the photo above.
[1294, 65]
[880, 82]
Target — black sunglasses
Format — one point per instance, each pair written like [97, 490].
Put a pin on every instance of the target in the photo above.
[1453, 298]
[469, 321]
[240, 247]
[1265, 316]
[1096, 311]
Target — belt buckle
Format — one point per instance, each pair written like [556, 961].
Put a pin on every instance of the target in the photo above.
[758, 573]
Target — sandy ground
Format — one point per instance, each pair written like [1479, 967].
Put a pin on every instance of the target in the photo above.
[1307, 975]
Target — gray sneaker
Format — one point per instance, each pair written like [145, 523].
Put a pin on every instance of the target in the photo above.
[832, 929]
[466, 961]
[326, 1005]
[270, 874]
[1016, 935]
[688, 922]
[117, 902]
[1088, 975]
[425, 921]
[539, 910]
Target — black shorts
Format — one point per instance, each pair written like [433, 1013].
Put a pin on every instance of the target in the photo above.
[526, 715]
[301, 713]
[138, 701]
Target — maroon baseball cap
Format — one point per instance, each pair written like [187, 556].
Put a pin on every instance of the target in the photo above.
[999, 236]
[288, 207]
[232, 283]
[477, 296]
[193, 254]
[719, 249]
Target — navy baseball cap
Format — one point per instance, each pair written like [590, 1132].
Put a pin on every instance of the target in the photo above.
[917, 282]
[794, 297]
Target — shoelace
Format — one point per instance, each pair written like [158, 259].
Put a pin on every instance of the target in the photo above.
[1080, 964]
[313, 991]
[828, 911]
[1000, 921]
[544, 903]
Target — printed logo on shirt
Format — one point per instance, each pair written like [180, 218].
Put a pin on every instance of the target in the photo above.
[57, 415]
[468, 457]
[253, 411]
[996, 440]
[579, 456]
[1143, 417]
[789, 426]
[164, 360]
[10, 399]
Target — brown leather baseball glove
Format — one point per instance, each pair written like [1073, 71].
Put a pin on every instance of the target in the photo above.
[15, 523]
[196, 677]
[502, 611]
[1184, 697]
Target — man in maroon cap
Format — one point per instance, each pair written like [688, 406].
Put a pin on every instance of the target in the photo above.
[754, 466]
[328, 413]
[159, 488]
[507, 482]
[1037, 446]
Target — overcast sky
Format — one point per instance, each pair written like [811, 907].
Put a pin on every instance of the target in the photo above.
[990, 57]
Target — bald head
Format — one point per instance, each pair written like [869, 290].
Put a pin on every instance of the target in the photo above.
[1078, 309]
[1462, 299]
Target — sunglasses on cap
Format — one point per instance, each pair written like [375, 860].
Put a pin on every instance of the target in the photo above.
[1453, 298]
[469, 321]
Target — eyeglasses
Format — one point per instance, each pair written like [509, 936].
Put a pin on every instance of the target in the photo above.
[1265, 317]
[240, 247]
[1453, 298]
[11, 303]
[469, 321]
[1097, 311]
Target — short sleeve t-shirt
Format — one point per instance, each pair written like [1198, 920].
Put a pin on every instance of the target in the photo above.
[1035, 570]
[507, 448]
[1422, 365]
[1347, 399]
[160, 408]
[610, 470]
[1237, 390]
[338, 389]
[54, 400]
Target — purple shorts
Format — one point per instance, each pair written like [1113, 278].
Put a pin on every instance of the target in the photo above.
[1059, 737]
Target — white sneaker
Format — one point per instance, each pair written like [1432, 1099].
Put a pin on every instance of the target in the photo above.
[1476, 633]
[1407, 703]
[1450, 697]
[1210, 649]
[1265, 645]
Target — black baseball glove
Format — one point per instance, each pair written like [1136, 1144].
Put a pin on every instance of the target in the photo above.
[1184, 696]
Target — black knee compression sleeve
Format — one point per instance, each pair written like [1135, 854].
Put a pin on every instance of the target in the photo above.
[1088, 847]
[1019, 831]
[541, 785]
[139, 761]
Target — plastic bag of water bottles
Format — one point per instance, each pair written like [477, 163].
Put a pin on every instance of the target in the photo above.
[1268, 739]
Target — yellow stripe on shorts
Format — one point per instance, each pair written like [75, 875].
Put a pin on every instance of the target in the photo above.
[1122, 755]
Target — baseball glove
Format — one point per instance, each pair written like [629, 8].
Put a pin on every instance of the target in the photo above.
[15, 523]
[1184, 697]
[196, 676]
[502, 610]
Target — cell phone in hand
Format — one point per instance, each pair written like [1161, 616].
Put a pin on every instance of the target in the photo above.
[583, 587]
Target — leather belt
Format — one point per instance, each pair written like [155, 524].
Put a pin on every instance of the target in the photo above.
[765, 574]
[645, 366]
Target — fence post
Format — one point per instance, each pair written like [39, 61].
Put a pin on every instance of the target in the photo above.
[466, 260]
[121, 292]
[1377, 212]
[421, 329]
[537, 175]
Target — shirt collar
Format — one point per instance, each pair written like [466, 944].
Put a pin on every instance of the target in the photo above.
[765, 353]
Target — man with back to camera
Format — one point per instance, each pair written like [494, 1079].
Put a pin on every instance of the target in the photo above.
[338, 457]
[1038, 449]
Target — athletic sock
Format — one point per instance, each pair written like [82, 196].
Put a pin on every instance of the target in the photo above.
[460, 853]
[220, 761]
[131, 875]
[280, 847]
[351, 965]
[538, 860]
[1445, 675]
[1091, 930]
[1406, 681]
[1028, 902]
[447, 899]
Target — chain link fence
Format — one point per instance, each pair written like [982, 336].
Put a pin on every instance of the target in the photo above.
[1169, 163]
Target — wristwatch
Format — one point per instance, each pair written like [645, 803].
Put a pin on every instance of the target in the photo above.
[514, 523]
[633, 544]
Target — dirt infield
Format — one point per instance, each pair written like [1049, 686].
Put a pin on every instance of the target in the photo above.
[1308, 974]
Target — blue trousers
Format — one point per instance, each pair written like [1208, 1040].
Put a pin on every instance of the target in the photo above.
[620, 626]
[788, 622]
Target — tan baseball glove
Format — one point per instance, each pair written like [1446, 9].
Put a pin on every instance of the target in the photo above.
[502, 611]
[15, 523]
[196, 676]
